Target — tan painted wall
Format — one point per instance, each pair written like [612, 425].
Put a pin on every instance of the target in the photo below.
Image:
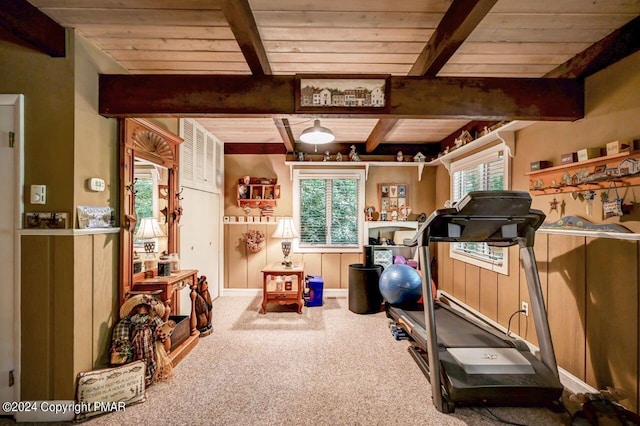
[590, 285]
[69, 283]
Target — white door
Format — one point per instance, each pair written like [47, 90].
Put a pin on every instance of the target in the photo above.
[10, 213]
[200, 239]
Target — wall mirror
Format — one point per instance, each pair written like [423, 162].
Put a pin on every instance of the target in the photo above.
[148, 173]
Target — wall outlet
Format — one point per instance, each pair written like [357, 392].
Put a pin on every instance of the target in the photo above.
[525, 308]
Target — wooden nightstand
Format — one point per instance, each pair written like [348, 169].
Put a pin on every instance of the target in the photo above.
[270, 294]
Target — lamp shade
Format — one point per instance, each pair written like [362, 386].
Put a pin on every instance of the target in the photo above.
[285, 229]
[317, 134]
[149, 228]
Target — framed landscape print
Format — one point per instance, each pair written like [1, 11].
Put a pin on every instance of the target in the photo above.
[392, 196]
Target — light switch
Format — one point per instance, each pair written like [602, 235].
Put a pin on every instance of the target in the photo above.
[38, 194]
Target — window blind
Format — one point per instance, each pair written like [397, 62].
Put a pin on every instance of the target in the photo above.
[329, 211]
[486, 173]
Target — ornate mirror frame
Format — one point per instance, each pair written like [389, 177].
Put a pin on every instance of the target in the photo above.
[143, 139]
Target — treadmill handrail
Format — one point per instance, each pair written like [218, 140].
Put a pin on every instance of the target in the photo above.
[457, 224]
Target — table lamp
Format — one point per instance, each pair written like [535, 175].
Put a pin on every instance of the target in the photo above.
[148, 230]
[286, 230]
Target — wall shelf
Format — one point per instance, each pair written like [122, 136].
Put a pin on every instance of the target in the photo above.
[582, 175]
[258, 193]
[355, 165]
[505, 134]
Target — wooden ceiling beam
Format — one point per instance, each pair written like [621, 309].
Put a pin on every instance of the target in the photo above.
[253, 148]
[462, 17]
[616, 46]
[473, 98]
[379, 132]
[24, 21]
[243, 25]
[611, 49]
[282, 124]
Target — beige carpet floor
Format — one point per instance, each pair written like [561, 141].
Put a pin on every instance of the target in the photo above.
[327, 366]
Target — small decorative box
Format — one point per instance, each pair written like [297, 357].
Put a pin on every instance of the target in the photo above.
[617, 147]
[570, 157]
[383, 257]
[539, 165]
[588, 153]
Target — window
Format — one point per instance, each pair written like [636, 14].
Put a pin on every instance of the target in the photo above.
[328, 206]
[484, 171]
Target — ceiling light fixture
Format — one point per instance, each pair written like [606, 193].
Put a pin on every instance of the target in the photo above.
[317, 135]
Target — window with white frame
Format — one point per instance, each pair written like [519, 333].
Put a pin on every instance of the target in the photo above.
[484, 171]
[327, 209]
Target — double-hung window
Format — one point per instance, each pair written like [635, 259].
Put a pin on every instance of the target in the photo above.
[328, 210]
[484, 171]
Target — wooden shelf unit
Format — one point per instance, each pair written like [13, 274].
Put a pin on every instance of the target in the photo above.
[258, 193]
[553, 180]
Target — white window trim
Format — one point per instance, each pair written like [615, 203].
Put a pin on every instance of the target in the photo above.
[483, 156]
[323, 174]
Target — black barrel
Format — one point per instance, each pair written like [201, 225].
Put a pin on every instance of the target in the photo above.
[364, 292]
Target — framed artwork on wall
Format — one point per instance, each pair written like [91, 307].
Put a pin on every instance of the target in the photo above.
[393, 196]
[359, 93]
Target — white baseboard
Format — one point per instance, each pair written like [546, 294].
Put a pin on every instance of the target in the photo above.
[327, 292]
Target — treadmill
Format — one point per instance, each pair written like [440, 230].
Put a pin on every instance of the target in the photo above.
[467, 360]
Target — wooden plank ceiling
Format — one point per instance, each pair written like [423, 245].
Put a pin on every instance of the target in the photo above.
[433, 38]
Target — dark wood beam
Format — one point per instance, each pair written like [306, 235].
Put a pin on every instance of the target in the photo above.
[484, 99]
[285, 133]
[243, 25]
[616, 46]
[253, 148]
[24, 21]
[379, 132]
[462, 17]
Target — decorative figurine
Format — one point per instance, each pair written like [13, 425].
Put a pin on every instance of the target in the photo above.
[203, 307]
[327, 156]
[405, 211]
[553, 205]
[400, 156]
[142, 334]
[419, 158]
[369, 211]
[353, 154]
[383, 215]
[338, 157]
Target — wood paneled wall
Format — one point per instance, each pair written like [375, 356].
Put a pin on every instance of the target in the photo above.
[242, 268]
[68, 305]
[592, 305]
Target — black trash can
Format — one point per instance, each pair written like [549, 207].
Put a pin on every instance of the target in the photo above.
[364, 292]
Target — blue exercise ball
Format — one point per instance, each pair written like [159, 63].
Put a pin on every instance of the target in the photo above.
[400, 285]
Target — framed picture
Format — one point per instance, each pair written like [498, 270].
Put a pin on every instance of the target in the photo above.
[393, 196]
[46, 220]
[354, 94]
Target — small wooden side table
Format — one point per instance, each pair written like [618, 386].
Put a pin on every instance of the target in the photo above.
[270, 294]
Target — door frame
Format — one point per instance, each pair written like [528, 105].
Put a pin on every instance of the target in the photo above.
[17, 101]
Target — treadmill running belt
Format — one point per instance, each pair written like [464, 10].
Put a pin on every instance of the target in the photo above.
[456, 332]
